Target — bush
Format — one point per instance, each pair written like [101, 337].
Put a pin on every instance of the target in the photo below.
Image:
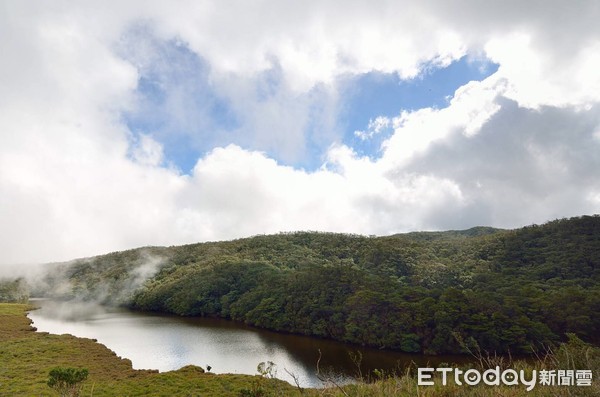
[67, 381]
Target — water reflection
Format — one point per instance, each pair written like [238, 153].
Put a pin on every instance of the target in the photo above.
[169, 342]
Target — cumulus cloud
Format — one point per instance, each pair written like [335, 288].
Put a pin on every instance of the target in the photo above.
[519, 147]
[236, 192]
[543, 162]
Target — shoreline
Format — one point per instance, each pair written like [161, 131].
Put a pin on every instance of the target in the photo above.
[28, 355]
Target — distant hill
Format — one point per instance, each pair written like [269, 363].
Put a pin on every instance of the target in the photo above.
[472, 232]
[434, 292]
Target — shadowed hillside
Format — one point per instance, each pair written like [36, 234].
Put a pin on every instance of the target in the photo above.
[433, 292]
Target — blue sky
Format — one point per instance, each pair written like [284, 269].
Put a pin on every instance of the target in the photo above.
[175, 103]
[378, 94]
[204, 119]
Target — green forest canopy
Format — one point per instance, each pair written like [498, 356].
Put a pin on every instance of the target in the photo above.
[434, 292]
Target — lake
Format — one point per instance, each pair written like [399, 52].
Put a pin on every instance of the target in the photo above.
[167, 343]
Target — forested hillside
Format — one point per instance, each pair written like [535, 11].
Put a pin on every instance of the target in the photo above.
[433, 292]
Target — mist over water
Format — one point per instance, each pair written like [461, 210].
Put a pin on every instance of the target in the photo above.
[167, 343]
[110, 279]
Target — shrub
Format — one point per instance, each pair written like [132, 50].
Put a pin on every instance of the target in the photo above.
[67, 381]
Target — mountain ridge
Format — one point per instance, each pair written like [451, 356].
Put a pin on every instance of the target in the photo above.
[436, 292]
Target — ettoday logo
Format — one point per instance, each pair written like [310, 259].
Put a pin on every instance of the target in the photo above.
[508, 377]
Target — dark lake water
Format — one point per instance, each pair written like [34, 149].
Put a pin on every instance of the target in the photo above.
[169, 342]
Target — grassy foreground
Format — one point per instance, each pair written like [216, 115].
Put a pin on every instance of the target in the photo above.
[26, 357]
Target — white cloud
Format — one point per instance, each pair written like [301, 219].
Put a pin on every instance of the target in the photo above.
[313, 41]
[520, 146]
[274, 118]
[537, 79]
[236, 192]
[375, 127]
[470, 108]
[523, 166]
[147, 151]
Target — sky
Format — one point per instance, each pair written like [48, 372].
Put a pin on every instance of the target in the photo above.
[133, 123]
